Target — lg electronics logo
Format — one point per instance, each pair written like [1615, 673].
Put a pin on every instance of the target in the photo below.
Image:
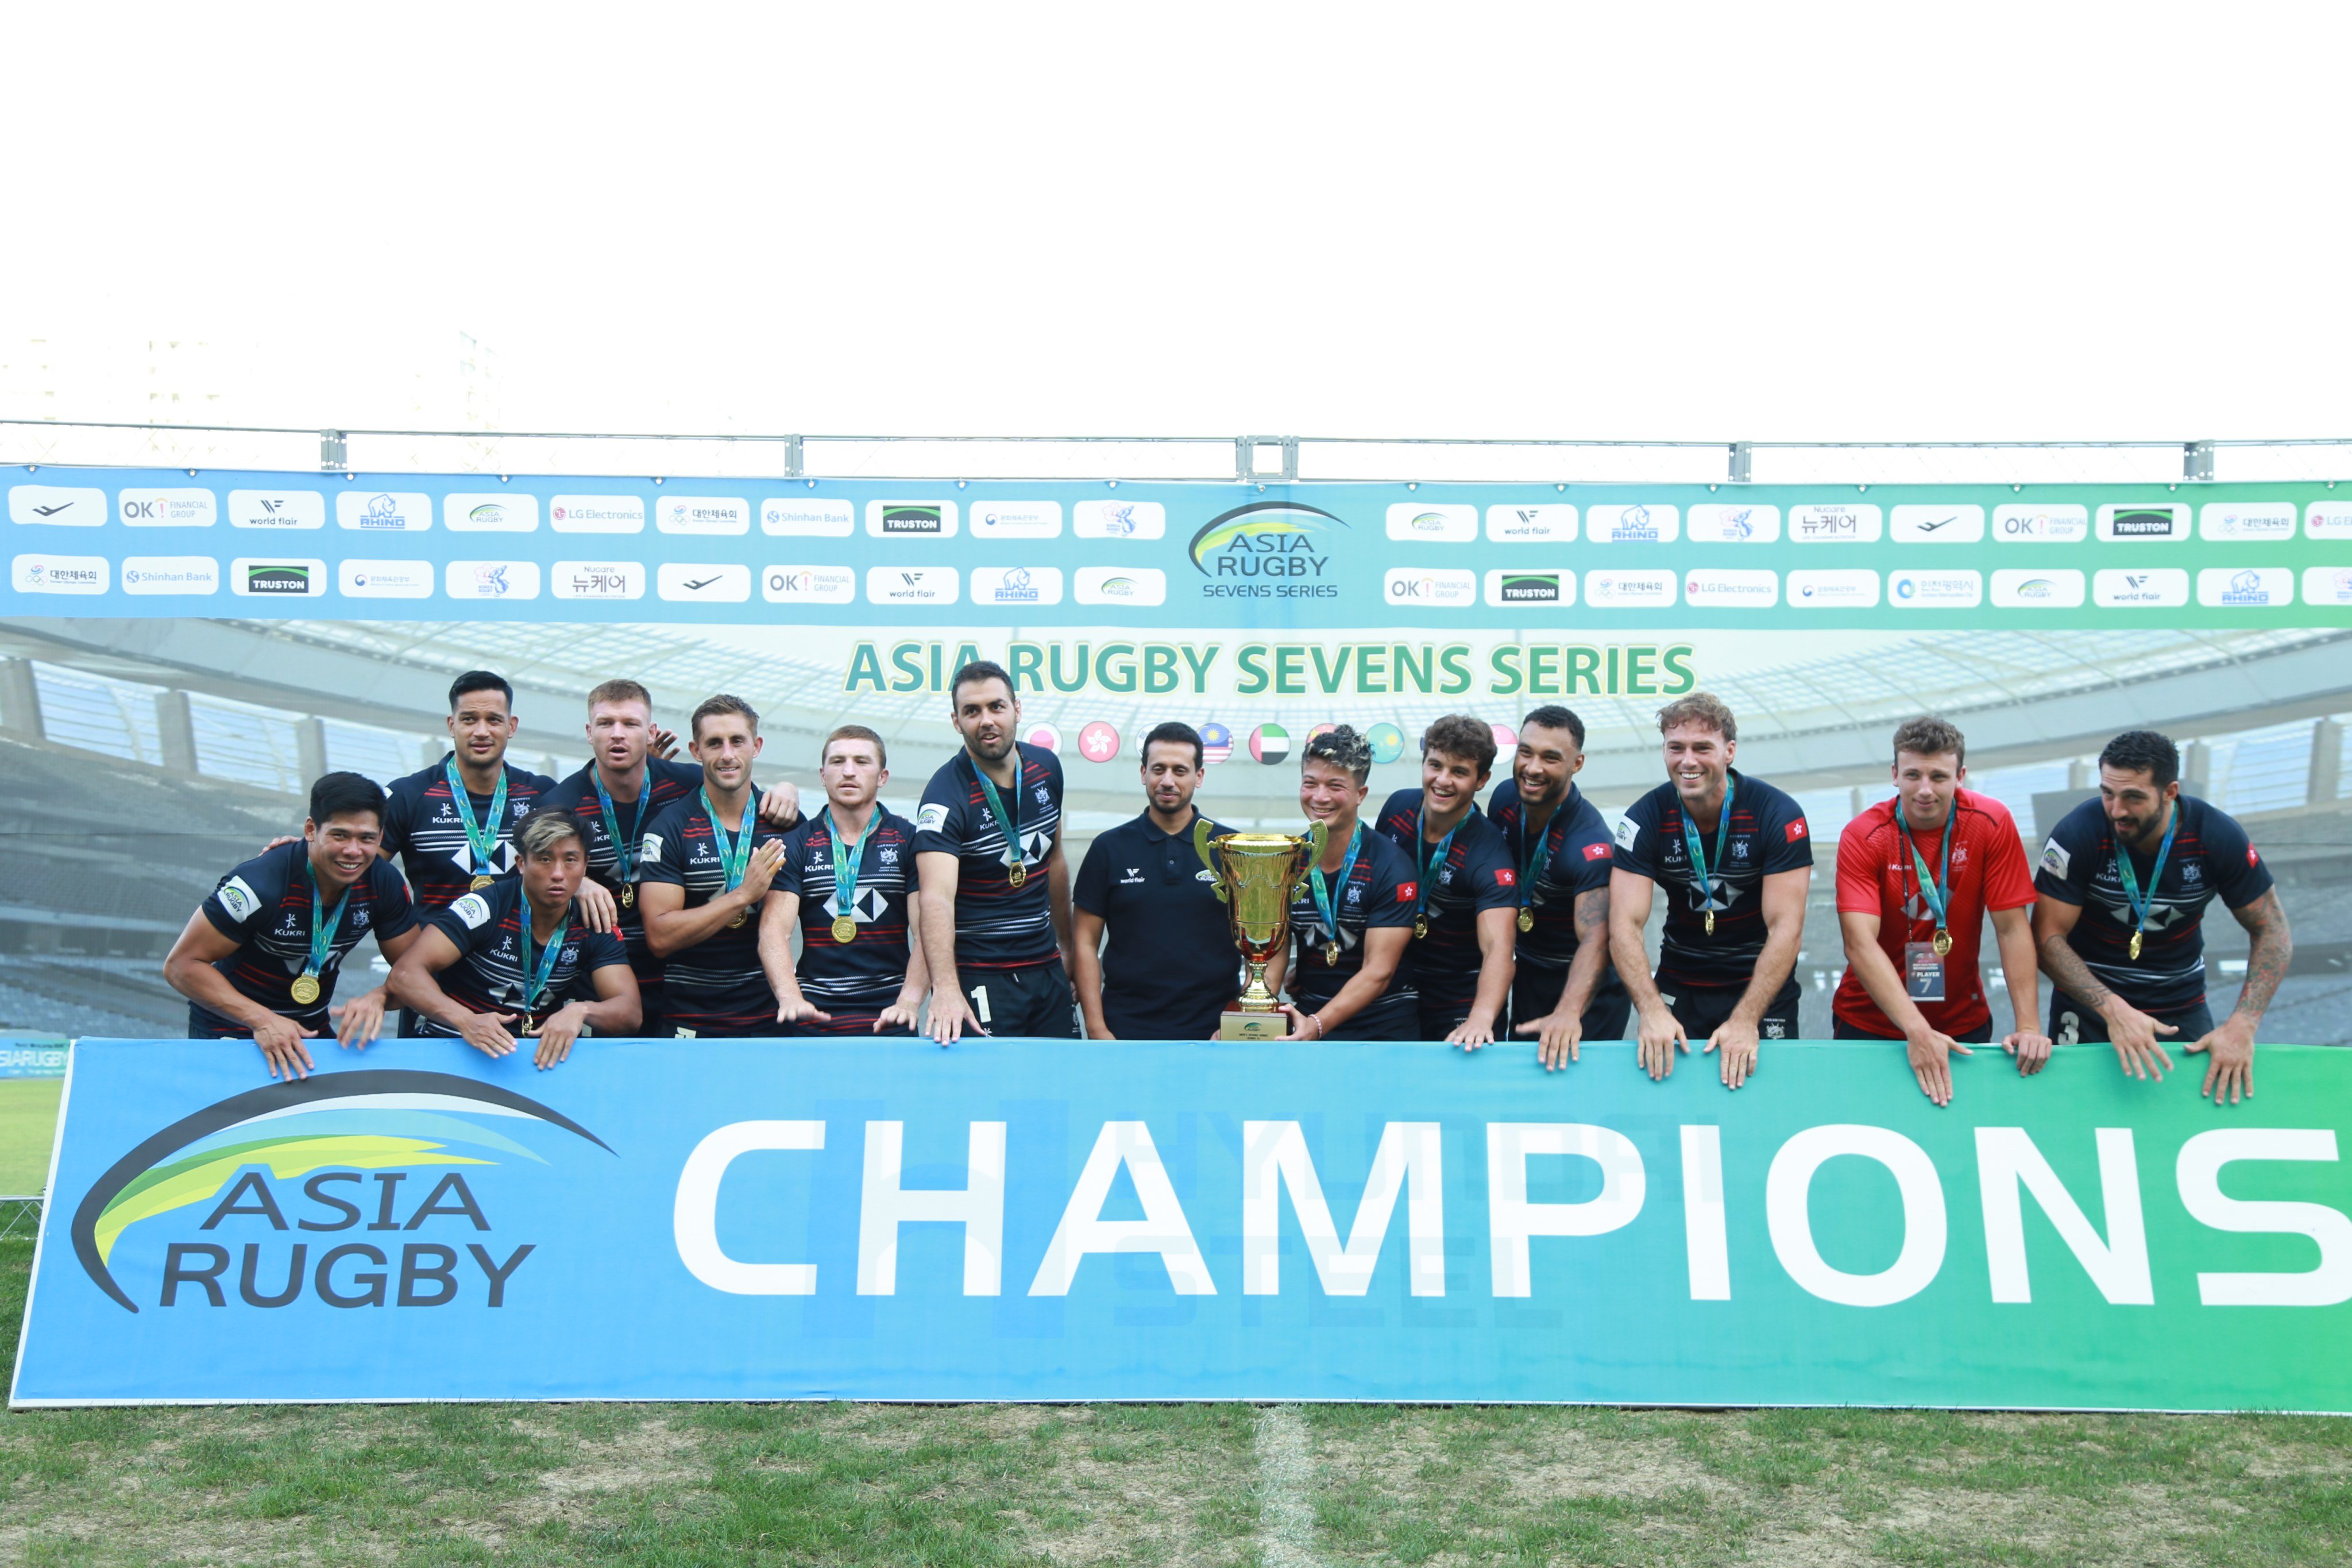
[597, 514]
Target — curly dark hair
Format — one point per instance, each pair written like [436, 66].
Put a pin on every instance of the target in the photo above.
[1460, 735]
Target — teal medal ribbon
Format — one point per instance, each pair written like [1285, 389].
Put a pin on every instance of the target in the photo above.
[625, 858]
[484, 838]
[1936, 889]
[535, 977]
[1007, 823]
[735, 857]
[1429, 859]
[845, 857]
[1324, 905]
[2139, 906]
[1698, 857]
[1539, 849]
[323, 926]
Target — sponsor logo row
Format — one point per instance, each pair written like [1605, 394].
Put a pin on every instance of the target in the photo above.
[678, 583]
[1842, 523]
[403, 511]
[1857, 588]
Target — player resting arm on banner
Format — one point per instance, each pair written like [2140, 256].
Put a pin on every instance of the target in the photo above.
[846, 880]
[520, 952]
[1736, 857]
[1564, 990]
[1349, 928]
[1915, 877]
[1460, 960]
[261, 957]
[2124, 880]
[1169, 969]
[705, 866]
[995, 894]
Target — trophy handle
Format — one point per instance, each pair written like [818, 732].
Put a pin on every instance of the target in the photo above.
[1201, 846]
[1316, 836]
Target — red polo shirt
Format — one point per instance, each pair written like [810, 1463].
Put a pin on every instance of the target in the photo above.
[1876, 876]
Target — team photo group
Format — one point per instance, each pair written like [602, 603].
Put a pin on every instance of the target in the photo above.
[652, 895]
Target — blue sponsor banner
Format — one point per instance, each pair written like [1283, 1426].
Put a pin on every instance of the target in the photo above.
[32, 1056]
[1031, 1220]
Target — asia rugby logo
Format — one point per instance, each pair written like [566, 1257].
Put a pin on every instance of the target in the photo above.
[1265, 538]
[335, 1122]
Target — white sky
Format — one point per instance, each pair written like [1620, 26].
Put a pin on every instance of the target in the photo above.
[1767, 222]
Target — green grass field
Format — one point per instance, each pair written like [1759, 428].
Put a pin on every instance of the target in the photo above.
[679, 1486]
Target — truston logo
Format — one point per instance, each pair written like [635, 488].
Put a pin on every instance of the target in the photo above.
[2126, 523]
[1516, 585]
[280, 577]
[910, 519]
[352, 1141]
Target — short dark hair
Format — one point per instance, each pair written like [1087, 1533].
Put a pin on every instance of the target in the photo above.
[854, 732]
[1460, 735]
[1552, 716]
[343, 794]
[718, 703]
[1929, 736]
[2143, 752]
[475, 680]
[976, 670]
[1174, 733]
[621, 689]
[1341, 747]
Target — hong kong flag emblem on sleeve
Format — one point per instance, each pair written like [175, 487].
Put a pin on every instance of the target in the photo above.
[1506, 878]
[1796, 830]
[1408, 892]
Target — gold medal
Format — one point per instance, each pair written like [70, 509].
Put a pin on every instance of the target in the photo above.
[2135, 944]
[1420, 927]
[1017, 874]
[1527, 917]
[1710, 922]
[481, 882]
[629, 896]
[740, 916]
[305, 989]
[845, 929]
[1331, 954]
[1943, 944]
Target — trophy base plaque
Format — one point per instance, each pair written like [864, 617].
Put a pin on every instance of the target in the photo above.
[1236, 1024]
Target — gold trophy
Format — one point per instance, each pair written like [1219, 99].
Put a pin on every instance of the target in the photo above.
[1257, 876]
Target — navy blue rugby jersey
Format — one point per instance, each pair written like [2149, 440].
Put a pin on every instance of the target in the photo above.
[865, 974]
[2211, 857]
[1577, 853]
[1380, 892]
[489, 975]
[1476, 876]
[998, 925]
[667, 783]
[421, 827]
[264, 906]
[720, 980]
[1768, 835]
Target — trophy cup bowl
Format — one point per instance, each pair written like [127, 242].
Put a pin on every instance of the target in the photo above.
[1257, 876]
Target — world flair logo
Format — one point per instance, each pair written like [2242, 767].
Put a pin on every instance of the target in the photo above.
[1269, 539]
[332, 1129]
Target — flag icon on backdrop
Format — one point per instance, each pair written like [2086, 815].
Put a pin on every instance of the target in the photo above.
[1099, 742]
[1044, 735]
[1387, 742]
[1269, 742]
[1216, 742]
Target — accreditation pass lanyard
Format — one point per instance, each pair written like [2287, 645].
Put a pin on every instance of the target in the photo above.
[1431, 859]
[1936, 889]
[2139, 906]
[323, 927]
[483, 838]
[1007, 822]
[732, 858]
[846, 855]
[1539, 853]
[625, 860]
[535, 977]
[1698, 857]
[1325, 905]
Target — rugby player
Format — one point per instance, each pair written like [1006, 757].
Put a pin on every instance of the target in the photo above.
[261, 957]
[2124, 881]
[1350, 926]
[1169, 969]
[451, 825]
[518, 958]
[846, 878]
[1915, 877]
[1564, 990]
[995, 895]
[1735, 858]
[1463, 933]
[707, 862]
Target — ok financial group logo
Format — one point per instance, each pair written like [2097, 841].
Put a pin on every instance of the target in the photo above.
[276, 1171]
[1268, 550]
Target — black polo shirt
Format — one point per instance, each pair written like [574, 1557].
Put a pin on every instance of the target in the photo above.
[1170, 965]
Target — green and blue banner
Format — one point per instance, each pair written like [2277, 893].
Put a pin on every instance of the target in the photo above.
[1020, 1219]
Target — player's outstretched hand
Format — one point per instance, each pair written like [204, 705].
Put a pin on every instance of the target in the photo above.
[486, 1032]
[1931, 1063]
[596, 901]
[281, 1040]
[1558, 1036]
[1656, 1041]
[2229, 1060]
[1736, 1041]
[2032, 1049]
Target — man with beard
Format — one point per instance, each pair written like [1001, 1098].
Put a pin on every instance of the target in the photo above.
[1460, 961]
[1352, 918]
[1565, 990]
[1735, 858]
[2142, 862]
[705, 865]
[1169, 970]
[518, 953]
[995, 890]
